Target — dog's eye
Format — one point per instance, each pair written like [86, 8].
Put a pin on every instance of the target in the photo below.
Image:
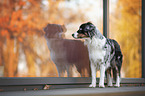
[87, 28]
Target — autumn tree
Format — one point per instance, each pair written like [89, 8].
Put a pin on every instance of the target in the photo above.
[19, 24]
[21, 28]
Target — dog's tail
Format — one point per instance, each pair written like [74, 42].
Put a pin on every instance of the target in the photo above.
[118, 60]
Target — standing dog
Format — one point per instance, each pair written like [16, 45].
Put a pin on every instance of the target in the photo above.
[104, 54]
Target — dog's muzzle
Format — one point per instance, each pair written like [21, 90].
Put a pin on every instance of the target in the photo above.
[72, 35]
[75, 35]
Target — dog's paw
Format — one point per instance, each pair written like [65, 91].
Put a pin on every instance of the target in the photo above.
[102, 86]
[110, 85]
[92, 85]
[117, 85]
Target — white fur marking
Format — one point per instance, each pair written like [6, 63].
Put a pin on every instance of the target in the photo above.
[75, 35]
[117, 81]
[93, 70]
[95, 49]
[102, 72]
[96, 56]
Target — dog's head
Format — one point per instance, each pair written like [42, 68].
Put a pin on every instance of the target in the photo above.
[86, 30]
[54, 31]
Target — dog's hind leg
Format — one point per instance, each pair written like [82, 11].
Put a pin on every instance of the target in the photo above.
[116, 76]
[117, 81]
[109, 78]
[102, 75]
[93, 72]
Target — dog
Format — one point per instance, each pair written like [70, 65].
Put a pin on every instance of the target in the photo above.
[104, 54]
[66, 54]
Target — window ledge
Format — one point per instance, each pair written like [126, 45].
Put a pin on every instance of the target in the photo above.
[122, 91]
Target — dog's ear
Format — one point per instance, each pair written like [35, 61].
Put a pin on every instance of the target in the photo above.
[90, 23]
[91, 34]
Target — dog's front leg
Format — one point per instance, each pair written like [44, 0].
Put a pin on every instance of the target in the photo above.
[93, 72]
[102, 75]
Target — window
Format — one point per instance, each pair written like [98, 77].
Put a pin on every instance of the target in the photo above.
[125, 27]
[23, 49]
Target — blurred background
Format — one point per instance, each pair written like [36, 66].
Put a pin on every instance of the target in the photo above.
[23, 47]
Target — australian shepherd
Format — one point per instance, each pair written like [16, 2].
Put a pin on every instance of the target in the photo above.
[104, 54]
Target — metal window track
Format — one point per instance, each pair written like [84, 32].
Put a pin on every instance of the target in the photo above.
[7, 81]
[38, 83]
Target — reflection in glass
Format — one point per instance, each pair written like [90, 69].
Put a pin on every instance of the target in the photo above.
[24, 51]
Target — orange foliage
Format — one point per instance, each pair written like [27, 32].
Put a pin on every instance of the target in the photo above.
[18, 24]
[4, 33]
[22, 3]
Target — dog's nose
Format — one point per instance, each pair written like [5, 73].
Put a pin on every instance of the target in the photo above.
[73, 35]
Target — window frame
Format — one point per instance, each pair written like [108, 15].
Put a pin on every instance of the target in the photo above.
[22, 82]
[143, 39]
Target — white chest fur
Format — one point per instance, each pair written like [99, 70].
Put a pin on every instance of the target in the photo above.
[95, 48]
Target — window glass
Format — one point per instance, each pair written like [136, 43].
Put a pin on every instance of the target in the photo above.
[24, 52]
[125, 27]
